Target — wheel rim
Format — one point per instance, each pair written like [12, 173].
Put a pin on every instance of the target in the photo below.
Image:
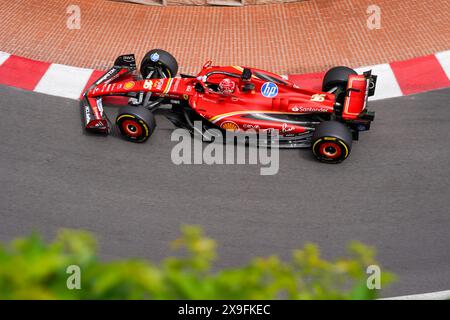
[132, 128]
[330, 150]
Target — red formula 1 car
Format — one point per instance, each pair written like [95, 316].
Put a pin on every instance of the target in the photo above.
[237, 99]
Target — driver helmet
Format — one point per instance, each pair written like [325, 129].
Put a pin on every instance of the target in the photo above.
[227, 86]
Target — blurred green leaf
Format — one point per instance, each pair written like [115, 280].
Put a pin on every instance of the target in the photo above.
[33, 269]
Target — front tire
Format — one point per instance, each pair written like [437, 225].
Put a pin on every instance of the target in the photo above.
[331, 142]
[159, 64]
[136, 124]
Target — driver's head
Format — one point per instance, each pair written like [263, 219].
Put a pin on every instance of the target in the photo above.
[227, 86]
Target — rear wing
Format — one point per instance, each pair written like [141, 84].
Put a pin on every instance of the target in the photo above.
[92, 108]
[359, 89]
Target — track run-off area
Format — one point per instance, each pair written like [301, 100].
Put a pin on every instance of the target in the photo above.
[391, 193]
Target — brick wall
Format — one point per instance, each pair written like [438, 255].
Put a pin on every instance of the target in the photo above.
[206, 2]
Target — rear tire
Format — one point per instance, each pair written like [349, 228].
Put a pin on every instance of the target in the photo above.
[337, 77]
[136, 124]
[156, 60]
[331, 142]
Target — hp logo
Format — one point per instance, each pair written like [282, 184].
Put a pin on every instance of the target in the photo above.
[269, 90]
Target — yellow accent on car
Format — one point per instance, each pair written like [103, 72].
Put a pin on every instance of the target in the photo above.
[129, 85]
[125, 116]
[250, 111]
[145, 126]
[345, 146]
[314, 145]
[169, 84]
[230, 126]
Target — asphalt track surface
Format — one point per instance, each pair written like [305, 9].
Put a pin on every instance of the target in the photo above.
[392, 193]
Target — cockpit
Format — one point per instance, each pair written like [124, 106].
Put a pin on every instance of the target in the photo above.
[226, 82]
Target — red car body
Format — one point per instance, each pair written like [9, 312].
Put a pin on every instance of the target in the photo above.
[261, 100]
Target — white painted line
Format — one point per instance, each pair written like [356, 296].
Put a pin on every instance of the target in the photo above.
[438, 295]
[3, 57]
[444, 59]
[64, 81]
[387, 85]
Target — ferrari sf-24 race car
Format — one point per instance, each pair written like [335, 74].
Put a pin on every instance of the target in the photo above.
[234, 98]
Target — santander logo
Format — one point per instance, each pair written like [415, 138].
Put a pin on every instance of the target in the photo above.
[300, 108]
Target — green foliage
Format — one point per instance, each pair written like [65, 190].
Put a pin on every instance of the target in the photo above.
[32, 269]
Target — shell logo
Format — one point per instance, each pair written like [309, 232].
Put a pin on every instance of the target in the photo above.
[230, 126]
[129, 85]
